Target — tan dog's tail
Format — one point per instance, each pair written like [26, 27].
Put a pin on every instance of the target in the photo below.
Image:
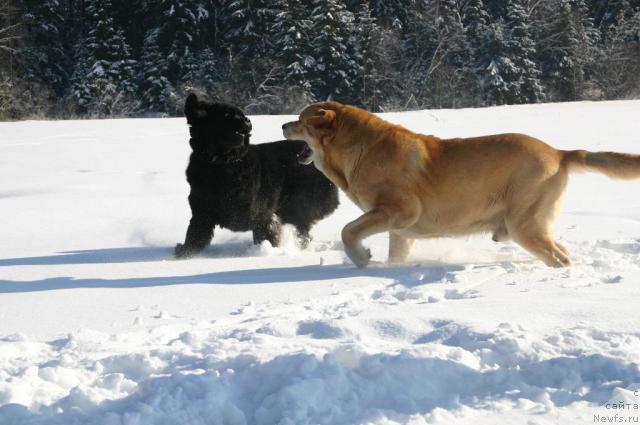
[613, 164]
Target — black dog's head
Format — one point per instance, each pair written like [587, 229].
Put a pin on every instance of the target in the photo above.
[219, 132]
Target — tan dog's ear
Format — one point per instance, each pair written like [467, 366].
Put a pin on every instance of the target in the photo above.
[324, 118]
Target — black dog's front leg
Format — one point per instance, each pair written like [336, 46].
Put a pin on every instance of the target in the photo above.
[199, 232]
[199, 235]
[304, 238]
[268, 231]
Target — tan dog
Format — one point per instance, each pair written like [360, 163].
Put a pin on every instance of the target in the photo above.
[417, 186]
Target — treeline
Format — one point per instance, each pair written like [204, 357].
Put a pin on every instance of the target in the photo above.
[61, 58]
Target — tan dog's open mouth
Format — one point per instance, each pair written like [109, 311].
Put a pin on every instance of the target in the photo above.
[304, 156]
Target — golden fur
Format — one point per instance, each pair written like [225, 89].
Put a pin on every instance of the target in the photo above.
[418, 186]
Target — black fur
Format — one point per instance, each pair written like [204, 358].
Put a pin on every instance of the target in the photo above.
[244, 187]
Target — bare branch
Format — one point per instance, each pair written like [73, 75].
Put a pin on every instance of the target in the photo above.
[9, 28]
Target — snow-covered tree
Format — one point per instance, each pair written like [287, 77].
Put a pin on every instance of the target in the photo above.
[610, 12]
[567, 47]
[394, 13]
[514, 76]
[292, 36]
[451, 29]
[43, 53]
[179, 33]
[423, 55]
[335, 68]
[478, 36]
[278, 55]
[249, 39]
[501, 84]
[249, 26]
[452, 82]
[8, 35]
[104, 78]
[203, 72]
[155, 88]
[522, 52]
[367, 91]
[9, 25]
[135, 18]
[618, 65]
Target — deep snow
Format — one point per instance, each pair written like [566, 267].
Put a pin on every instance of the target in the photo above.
[99, 325]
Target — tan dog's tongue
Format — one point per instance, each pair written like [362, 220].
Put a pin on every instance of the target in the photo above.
[304, 155]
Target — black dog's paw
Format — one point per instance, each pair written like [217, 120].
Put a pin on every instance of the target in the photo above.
[304, 241]
[183, 251]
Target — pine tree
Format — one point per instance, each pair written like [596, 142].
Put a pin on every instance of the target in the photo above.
[501, 84]
[452, 32]
[104, 79]
[203, 73]
[278, 55]
[292, 32]
[452, 79]
[43, 54]
[522, 52]
[612, 12]
[156, 89]
[82, 92]
[366, 87]
[514, 77]
[422, 56]
[567, 49]
[478, 36]
[134, 17]
[252, 60]
[179, 33]
[394, 13]
[248, 31]
[475, 21]
[335, 69]
[617, 67]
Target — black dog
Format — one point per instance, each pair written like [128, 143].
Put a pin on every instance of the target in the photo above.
[244, 187]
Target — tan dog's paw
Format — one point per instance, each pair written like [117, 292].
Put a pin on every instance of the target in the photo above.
[360, 256]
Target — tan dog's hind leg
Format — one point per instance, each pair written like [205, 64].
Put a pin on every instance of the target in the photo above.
[399, 248]
[562, 248]
[531, 226]
[545, 248]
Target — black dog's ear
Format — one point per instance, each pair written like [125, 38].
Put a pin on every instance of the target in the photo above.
[191, 101]
[191, 108]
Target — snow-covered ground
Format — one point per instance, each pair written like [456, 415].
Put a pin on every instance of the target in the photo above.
[99, 325]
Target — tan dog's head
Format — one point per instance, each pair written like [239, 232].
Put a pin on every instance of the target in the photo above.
[317, 127]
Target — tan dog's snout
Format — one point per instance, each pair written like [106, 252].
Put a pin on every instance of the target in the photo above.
[289, 129]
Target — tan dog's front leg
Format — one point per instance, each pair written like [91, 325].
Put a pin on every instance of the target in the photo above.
[399, 248]
[370, 223]
[379, 219]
